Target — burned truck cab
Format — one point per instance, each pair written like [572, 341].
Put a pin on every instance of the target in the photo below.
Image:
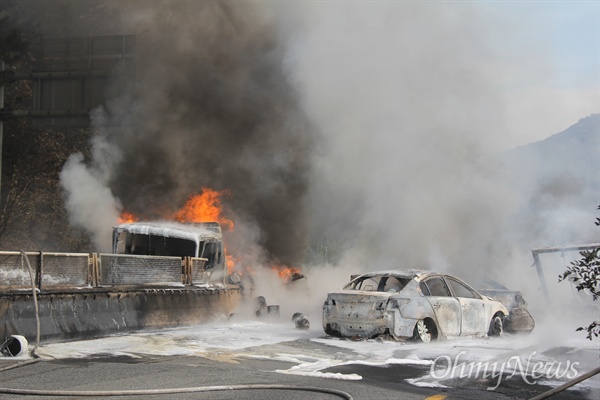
[195, 241]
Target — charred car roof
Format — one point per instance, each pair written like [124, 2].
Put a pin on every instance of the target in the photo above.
[419, 274]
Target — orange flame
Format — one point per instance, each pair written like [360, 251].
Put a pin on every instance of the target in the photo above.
[230, 262]
[288, 274]
[207, 207]
[204, 207]
[127, 218]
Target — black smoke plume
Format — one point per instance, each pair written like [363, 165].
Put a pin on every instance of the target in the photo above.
[211, 107]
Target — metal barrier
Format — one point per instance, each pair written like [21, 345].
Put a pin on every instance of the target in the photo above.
[126, 269]
[65, 270]
[13, 273]
[80, 270]
[41, 294]
[52, 270]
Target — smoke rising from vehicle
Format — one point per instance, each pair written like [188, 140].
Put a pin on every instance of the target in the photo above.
[410, 101]
[411, 116]
[375, 127]
[212, 108]
[90, 203]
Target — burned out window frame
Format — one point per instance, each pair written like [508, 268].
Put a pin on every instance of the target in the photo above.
[378, 283]
[441, 278]
[392, 284]
[359, 284]
[450, 281]
[153, 245]
[215, 258]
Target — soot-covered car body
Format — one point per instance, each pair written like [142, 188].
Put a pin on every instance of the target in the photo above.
[410, 304]
[519, 318]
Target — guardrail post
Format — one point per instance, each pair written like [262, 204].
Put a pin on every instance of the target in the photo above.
[185, 269]
[38, 271]
[97, 266]
[93, 269]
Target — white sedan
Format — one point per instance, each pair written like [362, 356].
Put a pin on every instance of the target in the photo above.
[411, 304]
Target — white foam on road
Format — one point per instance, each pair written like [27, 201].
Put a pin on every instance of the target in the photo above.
[190, 340]
[281, 341]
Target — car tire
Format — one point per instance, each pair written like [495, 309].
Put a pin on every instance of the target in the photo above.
[496, 326]
[424, 331]
[331, 332]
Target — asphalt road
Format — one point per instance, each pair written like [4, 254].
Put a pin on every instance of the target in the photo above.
[112, 373]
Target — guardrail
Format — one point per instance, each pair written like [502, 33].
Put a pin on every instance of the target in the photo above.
[80, 270]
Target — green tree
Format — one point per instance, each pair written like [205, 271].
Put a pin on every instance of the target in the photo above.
[585, 273]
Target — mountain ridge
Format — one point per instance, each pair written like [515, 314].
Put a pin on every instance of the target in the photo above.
[557, 183]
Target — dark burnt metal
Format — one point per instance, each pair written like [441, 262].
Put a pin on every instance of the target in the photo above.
[300, 321]
[260, 306]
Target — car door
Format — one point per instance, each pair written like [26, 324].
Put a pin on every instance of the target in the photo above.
[445, 307]
[473, 316]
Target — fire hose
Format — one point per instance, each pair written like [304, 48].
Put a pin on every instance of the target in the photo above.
[35, 302]
[6, 344]
[16, 343]
[148, 392]
[567, 385]
[37, 319]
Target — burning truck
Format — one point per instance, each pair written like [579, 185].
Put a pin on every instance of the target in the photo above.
[159, 274]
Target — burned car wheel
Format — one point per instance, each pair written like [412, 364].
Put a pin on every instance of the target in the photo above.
[496, 326]
[424, 331]
[332, 332]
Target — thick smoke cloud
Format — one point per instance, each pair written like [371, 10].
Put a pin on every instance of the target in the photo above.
[212, 108]
[371, 129]
[411, 117]
[398, 164]
[411, 102]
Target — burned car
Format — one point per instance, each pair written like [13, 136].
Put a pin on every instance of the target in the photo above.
[519, 319]
[409, 304]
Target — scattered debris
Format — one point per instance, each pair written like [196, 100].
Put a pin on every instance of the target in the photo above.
[14, 346]
[273, 311]
[300, 321]
[260, 306]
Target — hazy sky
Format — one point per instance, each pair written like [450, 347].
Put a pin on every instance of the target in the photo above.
[549, 98]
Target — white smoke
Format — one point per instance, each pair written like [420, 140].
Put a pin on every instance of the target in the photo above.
[90, 202]
[88, 197]
[404, 94]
